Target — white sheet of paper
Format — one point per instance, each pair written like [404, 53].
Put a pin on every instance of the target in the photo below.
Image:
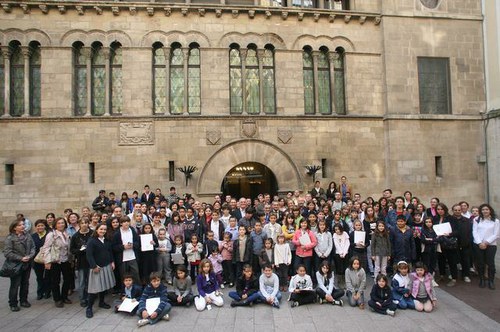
[359, 236]
[128, 255]
[177, 259]
[304, 239]
[152, 304]
[128, 305]
[444, 228]
[146, 242]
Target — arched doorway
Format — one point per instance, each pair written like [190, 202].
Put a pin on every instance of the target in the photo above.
[248, 180]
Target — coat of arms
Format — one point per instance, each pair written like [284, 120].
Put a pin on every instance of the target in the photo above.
[249, 128]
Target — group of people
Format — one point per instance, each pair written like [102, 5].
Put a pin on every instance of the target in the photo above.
[319, 246]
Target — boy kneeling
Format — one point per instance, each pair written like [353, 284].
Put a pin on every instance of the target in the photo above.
[155, 291]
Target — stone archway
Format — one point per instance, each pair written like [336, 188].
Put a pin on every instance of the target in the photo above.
[235, 153]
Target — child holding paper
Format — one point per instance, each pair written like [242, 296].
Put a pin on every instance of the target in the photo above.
[305, 241]
[359, 240]
[153, 304]
[130, 292]
[148, 255]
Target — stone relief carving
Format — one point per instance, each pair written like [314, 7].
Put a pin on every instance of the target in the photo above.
[213, 137]
[285, 136]
[249, 128]
[136, 133]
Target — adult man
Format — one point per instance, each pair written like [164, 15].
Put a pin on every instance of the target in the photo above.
[172, 196]
[317, 191]
[100, 202]
[337, 203]
[147, 197]
[344, 187]
[117, 212]
[464, 236]
[240, 212]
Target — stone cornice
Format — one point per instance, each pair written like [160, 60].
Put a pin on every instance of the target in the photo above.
[188, 9]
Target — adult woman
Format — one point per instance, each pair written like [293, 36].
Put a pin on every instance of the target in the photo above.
[57, 260]
[126, 203]
[95, 219]
[330, 192]
[101, 277]
[449, 254]
[51, 218]
[486, 232]
[42, 275]
[19, 248]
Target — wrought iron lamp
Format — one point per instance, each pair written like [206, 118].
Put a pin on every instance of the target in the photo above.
[312, 169]
[188, 171]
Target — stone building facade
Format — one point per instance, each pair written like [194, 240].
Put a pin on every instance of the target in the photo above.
[115, 95]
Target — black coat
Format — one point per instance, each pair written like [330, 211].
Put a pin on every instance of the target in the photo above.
[118, 247]
[98, 253]
[248, 250]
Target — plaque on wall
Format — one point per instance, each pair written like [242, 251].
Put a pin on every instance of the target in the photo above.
[136, 133]
[213, 137]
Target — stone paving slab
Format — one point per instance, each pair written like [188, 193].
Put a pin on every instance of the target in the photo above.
[450, 315]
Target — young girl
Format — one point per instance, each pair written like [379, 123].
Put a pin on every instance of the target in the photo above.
[355, 282]
[381, 248]
[401, 287]
[422, 290]
[163, 257]
[359, 248]
[208, 287]
[416, 225]
[148, 258]
[429, 245]
[226, 250]
[267, 254]
[216, 259]
[282, 261]
[193, 253]
[341, 243]
[247, 288]
[326, 290]
[178, 250]
[289, 230]
[325, 245]
[301, 288]
[305, 241]
[182, 294]
[381, 298]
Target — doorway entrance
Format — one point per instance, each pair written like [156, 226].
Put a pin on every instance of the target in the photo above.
[249, 180]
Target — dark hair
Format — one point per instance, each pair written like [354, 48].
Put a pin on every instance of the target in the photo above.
[247, 266]
[421, 265]
[42, 221]
[351, 261]
[178, 237]
[492, 212]
[385, 233]
[98, 226]
[57, 220]
[181, 268]
[50, 214]
[267, 266]
[269, 239]
[339, 226]
[299, 266]
[382, 277]
[123, 219]
[128, 276]
[443, 206]
[13, 225]
[156, 214]
[325, 263]
[154, 275]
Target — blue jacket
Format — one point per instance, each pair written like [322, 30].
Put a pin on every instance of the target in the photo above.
[135, 292]
[403, 245]
[398, 287]
[206, 286]
[149, 293]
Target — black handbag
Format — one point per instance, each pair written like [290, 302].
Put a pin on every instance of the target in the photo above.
[449, 243]
[11, 269]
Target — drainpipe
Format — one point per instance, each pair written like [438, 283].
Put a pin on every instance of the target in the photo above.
[486, 117]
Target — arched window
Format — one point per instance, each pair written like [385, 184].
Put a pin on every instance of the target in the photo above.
[116, 79]
[16, 80]
[159, 79]
[268, 87]
[308, 74]
[339, 81]
[35, 79]
[252, 93]
[98, 71]
[80, 79]
[177, 82]
[235, 80]
[324, 96]
[194, 80]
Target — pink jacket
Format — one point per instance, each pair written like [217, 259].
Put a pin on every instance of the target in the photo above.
[307, 251]
[427, 282]
[226, 250]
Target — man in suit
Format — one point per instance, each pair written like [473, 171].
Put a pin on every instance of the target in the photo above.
[239, 212]
[317, 191]
[147, 197]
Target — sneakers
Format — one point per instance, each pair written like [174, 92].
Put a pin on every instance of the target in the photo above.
[222, 286]
[231, 284]
[142, 322]
[320, 301]
[450, 277]
[390, 312]
[434, 283]
[25, 304]
[166, 317]
[276, 304]
[467, 279]
[338, 302]
[452, 283]
[294, 304]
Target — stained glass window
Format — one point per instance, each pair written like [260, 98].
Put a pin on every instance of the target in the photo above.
[194, 81]
[252, 93]
[308, 73]
[98, 80]
[116, 79]
[159, 79]
[80, 82]
[177, 83]
[35, 81]
[235, 81]
[268, 81]
[16, 81]
[339, 82]
[324, 97]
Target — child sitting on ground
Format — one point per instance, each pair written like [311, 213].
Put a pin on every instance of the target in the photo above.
[381, 297]
[355, 281]
[422, 290]
[208, 287]
[269, 285]
[301, 288]
[247, 288]
[154, 289]
[182, 294]
[326, 285]
[129, 291]
[401, 287]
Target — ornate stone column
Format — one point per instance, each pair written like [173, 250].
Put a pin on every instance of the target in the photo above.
[243, 55]
[87, 53]
[260, 56]
[332, 57]
[315, 55]
[106, 52]
[185, 51]
[26, 51]
[166, 52]
[6, 53]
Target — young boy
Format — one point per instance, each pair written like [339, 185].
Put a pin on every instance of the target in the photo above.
[210, 244]
[401, 287]
[269, 287]
[242, 250]
[247, 289]
[257, 236]
[225, 215]
[273, 229]
[232, 228]
[402, 242]
[129, 291]
[154, 289]
[301, 288]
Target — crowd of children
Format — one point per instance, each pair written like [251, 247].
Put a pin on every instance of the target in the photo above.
[317, 250]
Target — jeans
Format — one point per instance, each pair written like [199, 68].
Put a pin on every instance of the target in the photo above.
[450, 257]
[165, 311]
[56, 270]
[83, 282]
[352, 301]
[19, 283]
[250, 299]
[277, 299]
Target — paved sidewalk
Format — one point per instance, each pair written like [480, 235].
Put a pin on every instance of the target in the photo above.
[450, 315]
